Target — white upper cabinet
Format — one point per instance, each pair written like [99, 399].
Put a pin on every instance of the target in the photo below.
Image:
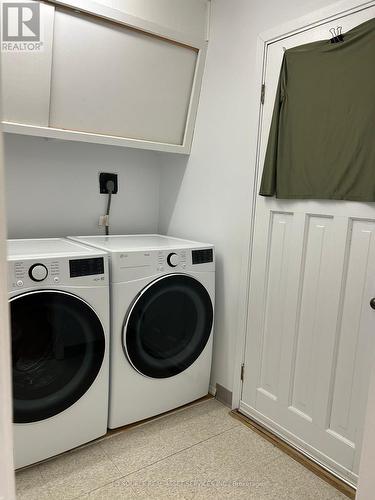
[26, 78]
[107, 77]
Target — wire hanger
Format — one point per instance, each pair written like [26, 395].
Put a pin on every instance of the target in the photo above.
[337, 35]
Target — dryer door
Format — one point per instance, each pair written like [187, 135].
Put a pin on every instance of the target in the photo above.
[58, 347]
[168, 326]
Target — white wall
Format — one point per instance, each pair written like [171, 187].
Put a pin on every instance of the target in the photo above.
[207, 196]
[52, 188]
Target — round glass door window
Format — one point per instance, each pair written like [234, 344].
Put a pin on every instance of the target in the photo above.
[168, 326]
[58, 347]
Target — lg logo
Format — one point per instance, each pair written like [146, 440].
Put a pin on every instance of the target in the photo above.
[21, 26]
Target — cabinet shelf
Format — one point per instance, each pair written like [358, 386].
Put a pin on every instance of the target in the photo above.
[73, 135]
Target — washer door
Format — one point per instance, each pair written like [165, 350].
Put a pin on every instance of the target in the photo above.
[168, 326]
[58, 347]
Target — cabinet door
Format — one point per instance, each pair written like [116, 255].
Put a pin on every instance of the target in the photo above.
[26, 77]
[112, 80]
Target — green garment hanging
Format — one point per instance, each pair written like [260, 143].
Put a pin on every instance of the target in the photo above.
[322, 138]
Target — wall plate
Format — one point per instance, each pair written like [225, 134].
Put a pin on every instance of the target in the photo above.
[104, 178]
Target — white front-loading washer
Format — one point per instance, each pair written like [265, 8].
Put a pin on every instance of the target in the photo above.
[59, 309]
[162, 307]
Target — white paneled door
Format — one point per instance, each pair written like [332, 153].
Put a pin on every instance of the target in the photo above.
[311, 330]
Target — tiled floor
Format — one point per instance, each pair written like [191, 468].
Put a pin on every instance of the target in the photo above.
[200, 452]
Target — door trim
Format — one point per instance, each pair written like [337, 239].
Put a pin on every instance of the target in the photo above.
[265, 39]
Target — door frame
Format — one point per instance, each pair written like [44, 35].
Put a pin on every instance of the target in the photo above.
[265, 39]
[6, 428]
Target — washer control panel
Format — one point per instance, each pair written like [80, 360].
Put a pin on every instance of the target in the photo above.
[23, 273]
[29, 273]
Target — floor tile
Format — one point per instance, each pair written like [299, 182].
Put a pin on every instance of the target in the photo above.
[199, 453]
[146, 444]
[287, 479]
[113, 491]
[30, 485]
[222, 466]
[338, 496]
[78, 472]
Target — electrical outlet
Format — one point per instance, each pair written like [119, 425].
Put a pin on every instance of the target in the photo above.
[104, 178]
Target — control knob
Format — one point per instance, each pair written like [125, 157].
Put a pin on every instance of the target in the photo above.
[38, 272]
[173, 259]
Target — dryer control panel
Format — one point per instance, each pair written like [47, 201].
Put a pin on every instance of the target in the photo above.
[132, 265]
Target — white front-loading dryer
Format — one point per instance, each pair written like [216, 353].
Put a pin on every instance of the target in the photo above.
[59, 309]
[162, 308]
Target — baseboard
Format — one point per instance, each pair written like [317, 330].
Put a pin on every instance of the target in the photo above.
[212, 390]
[224, 395]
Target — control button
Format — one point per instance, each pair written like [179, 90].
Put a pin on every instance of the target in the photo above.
[184, 265]
[19, 283]
[56, 279]
[173, 259]
[38, 272]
